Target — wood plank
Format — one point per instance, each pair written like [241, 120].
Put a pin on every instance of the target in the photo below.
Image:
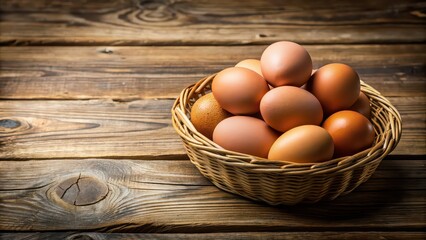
[171, 196]
[49, 129]
[125, 73]
[126, 22]
[413, 113]
[138, 129]
[214, 236]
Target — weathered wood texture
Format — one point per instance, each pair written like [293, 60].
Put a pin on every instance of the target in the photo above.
[184, 22]
[97, 128]
[89, 98]
[215, 236]
[156, 72]
[171, 196]
[138, 129]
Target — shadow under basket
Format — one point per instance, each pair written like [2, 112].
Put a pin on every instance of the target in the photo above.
[278, 182]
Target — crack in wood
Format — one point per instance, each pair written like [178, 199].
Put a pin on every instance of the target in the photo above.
[69, 187]
[78, 187]
[82, 190]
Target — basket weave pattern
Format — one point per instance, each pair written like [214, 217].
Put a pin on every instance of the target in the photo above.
[278, 182]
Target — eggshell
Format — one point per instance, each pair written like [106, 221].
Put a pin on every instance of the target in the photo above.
[286, 63]
[336, 86]
[287, 107]
[206, 113]
[252, 64]
[351, 131]
[245, 135]
[303, 144]
[362, 105]
[239, 90]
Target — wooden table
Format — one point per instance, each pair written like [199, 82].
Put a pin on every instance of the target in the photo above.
[86, 144]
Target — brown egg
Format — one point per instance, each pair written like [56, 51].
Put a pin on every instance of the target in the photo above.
[351, 132]
[336, 86]
[287, 107]
[362, 105]
[252, 64]
[206, 113]
[245, 134]
[239, 90]
[303, 144]
[286, 63]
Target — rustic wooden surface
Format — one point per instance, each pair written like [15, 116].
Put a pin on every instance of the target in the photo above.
[141, 22]
[86, 143]
[171, 196]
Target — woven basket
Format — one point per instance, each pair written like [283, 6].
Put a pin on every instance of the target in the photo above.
[277, 182]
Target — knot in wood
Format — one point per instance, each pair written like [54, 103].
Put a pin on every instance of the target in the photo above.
[82, 190]
[9, 123]
[12, 125]
[156, 11]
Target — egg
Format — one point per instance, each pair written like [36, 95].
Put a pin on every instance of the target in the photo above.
[206, 113]
[362, 105]
[245, 134]
[303, 144]
[337, 87]
[239, 90]
[286, 63]
[252, 64]
[351, 131]
[287, 107]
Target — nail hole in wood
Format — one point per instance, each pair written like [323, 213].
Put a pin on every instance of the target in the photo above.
[107, 51]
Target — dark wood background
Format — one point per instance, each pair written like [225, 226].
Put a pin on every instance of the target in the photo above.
[86, 142]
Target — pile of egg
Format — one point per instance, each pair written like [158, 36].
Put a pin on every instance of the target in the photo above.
[279, 108]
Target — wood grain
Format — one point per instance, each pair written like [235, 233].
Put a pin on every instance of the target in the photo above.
[126, 73]
[187, 22]
[86, 142]
[138, 129]
[171, 196]
[214, 236]
[413, 111]
[46, 129]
